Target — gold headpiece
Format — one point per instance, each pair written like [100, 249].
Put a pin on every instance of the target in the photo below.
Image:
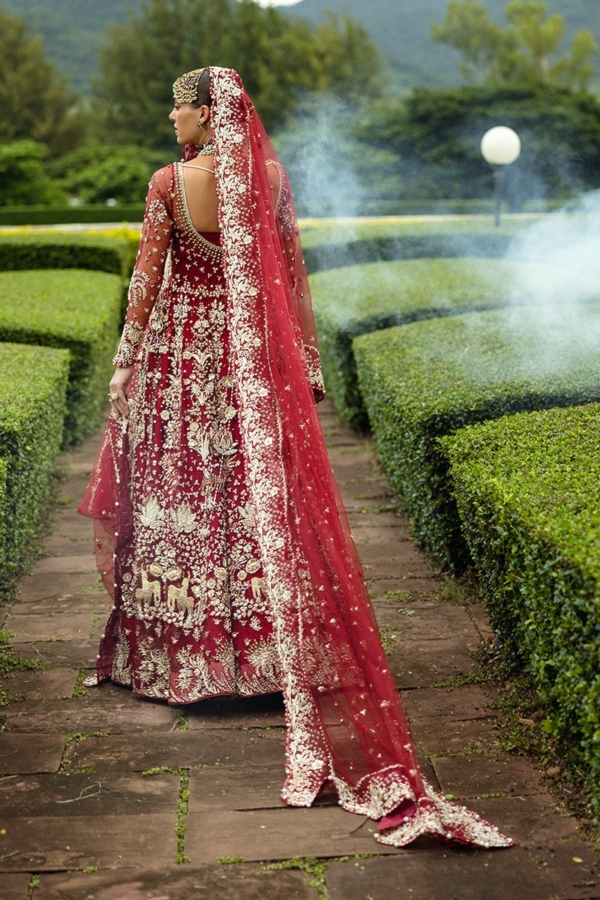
[185, 89]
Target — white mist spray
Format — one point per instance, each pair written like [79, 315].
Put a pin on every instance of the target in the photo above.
[559, 295]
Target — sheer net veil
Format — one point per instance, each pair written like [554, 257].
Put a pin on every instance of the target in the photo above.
[345, 722]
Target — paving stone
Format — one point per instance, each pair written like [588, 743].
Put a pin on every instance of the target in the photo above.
[87, 795]
[398, 582]
[70, 565]
[271, 834]
[471, 701]
[96, 604]
[90, 713]
[41, 685]
[444, 874]
[387, 559]
[234, 789]
[429, 624]
[59, 654]
[20, 754]
[43, 844]
[534, 822]
[394, 590]
[438, 737]
[482, 622]
[246, 712]
[379, 567]
[415, 668]
[387, 539]
[138, 752]
[62, 627]
[15, 886]
[39, 587]
[384, 520]
[359, 493]
[473, 776]
[222, 882]
[62, 543]
[351, 460]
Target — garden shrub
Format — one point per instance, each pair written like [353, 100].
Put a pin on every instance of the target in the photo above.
[113, 253]
[317, 232]
[428, 379]
[321, 256]
[62, 215]
[71, 309]
[361, 299]
[528, 493]
[33, 383]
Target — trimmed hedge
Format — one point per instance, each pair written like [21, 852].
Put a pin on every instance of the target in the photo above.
[33, 383]
[316, 232]
[358, 300]
[62, 215]
[410, 246]
[75, 310]
[528, 493]
[428, 379]
[114, 252]
[4, 519]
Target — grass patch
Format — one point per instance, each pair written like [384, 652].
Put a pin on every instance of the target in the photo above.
[429, 379]
[74, 310]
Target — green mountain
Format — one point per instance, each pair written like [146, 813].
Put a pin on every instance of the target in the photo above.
[72, 30]
[402, 28]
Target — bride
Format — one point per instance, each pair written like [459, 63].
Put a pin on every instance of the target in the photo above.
[220, 532]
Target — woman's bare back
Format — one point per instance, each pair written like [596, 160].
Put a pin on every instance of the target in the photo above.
[201, 194]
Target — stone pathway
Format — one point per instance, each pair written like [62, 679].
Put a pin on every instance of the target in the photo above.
[108, 797]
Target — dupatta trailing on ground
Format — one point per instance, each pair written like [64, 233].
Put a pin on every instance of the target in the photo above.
[345, 722]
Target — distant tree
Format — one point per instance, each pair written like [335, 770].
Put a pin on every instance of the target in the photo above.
[23, 177]
[35, 102]
[436, 137]
[98, 172]
[278, 57]
[523, 53]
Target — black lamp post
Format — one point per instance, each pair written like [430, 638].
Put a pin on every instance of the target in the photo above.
[500, 147]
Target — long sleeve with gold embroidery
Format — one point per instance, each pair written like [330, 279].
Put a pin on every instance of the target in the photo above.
[290, 234]
[150, 262]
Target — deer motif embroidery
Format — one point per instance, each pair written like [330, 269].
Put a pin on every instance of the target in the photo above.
[178, 597]
[150, 590]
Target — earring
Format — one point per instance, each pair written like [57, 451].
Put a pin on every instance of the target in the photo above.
[201, 125]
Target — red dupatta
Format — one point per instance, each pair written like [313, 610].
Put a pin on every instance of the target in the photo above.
[345, 721]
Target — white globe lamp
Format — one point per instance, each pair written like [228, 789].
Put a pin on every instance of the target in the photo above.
[500, 147]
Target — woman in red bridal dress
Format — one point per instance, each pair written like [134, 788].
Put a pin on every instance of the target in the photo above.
[220, 533]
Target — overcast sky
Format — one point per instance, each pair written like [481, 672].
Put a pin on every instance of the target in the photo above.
[277, 2]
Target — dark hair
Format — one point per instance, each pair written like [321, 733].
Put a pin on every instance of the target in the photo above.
[203, 98]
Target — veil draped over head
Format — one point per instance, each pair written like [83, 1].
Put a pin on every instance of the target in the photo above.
[345, 722]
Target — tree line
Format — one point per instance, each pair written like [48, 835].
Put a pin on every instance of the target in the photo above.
[55, 145]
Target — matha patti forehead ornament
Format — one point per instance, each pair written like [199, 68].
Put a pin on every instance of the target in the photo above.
[185, 89]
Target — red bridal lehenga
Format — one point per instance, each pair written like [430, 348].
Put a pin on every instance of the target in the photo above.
[220, 533]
